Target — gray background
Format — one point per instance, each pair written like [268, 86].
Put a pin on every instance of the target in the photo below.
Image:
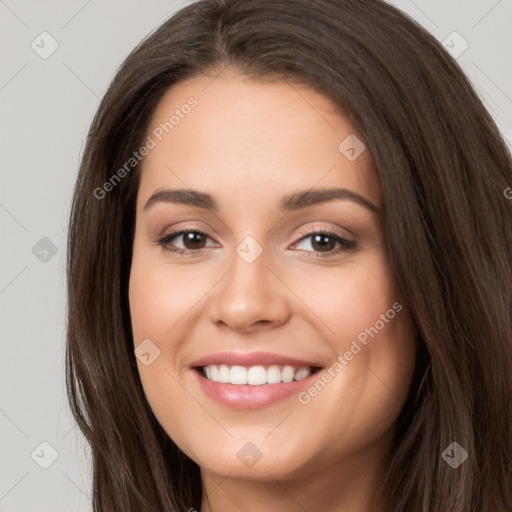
[46, 107]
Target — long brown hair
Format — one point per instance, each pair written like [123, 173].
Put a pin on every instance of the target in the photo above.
[443, 168]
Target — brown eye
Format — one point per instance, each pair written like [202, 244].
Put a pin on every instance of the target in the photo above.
[191, 240]
[325, 243]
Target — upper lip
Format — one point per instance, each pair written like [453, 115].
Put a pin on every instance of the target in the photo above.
[250, 359]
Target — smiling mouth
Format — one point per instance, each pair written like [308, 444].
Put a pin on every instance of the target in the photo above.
[257, 375]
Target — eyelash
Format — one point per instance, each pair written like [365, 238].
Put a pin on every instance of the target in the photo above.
[346, 245]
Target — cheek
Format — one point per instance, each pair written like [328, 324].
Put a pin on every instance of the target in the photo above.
[350, 299]
[160, 297]
[372, 338]
[157, 303]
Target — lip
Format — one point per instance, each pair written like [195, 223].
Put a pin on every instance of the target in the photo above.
[244, 396]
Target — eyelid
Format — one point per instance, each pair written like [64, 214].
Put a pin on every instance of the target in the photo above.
[346, 244]
[348, 235]
[178, 230]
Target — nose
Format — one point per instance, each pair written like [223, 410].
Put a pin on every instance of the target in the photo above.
[250, 297]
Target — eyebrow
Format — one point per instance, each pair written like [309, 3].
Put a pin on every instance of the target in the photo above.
[290, 202]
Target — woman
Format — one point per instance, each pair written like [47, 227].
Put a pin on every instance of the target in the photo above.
[289, 270]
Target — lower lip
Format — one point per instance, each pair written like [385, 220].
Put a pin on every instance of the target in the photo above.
[244, 396]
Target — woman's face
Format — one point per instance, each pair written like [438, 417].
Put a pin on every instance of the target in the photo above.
[282, 272]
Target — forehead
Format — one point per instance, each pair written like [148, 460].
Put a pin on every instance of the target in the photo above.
[230, 134]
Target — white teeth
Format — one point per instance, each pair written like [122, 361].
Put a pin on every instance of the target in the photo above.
[224, 374]
[254, 375]
[302, 373]
[288, 374]
[238, 375]
[273, 375]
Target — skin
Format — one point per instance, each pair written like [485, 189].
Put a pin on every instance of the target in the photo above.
[249, 143]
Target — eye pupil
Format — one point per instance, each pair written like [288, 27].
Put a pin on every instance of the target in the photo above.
[193, 238]
[324, 246]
